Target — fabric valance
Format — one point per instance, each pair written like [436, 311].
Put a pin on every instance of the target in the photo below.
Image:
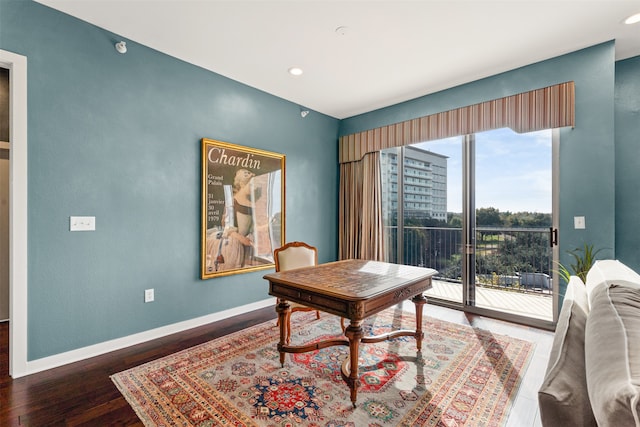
[546, 108]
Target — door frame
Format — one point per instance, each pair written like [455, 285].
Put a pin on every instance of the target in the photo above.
[469, 235]
[18, 265]
[555, 219]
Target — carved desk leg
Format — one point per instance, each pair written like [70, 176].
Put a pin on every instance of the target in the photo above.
[419, 300]
[284, 312]
[354, 333]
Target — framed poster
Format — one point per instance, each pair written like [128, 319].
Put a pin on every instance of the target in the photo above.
[242, 208]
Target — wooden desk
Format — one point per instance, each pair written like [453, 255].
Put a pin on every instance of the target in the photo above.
[355, 290]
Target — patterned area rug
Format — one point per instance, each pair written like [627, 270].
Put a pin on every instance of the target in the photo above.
[462, 377]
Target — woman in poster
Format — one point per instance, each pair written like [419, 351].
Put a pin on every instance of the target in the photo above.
[232, 248]
[244, 197]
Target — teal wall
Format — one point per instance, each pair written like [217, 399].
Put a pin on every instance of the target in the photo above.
[118, 137]
[587, 158]
[628, 162]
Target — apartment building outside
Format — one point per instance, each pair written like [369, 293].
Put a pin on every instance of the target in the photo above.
[425, 183]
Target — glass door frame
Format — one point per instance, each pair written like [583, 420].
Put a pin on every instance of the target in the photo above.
[468, 221]
[467, 301]
[469, 239]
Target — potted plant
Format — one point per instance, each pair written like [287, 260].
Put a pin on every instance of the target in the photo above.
[583, 260]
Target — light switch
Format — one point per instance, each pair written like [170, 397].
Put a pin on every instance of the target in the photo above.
[82, 223]
[579, 222]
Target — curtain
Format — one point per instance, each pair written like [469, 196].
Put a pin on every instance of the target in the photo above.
[360, 217]
[360, 223]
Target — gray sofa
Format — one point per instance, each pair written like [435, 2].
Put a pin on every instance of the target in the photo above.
[593, 375]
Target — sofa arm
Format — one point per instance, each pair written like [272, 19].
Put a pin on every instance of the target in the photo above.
[563, 397]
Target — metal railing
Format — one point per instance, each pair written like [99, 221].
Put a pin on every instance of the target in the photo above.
[516, 259]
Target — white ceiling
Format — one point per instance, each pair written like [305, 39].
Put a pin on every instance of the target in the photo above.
[391, 51]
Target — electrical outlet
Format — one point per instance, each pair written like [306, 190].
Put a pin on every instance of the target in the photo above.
[148, 295]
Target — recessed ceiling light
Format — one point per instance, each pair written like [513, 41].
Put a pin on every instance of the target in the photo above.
[295, 71]
[633, 19]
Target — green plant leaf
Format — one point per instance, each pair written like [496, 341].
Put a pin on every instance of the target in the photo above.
[583, 260]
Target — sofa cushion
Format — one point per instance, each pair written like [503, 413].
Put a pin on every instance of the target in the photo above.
[612, 353]
[563, 397]
[608, 271]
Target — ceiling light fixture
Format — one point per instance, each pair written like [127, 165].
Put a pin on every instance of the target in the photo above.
[121, 47]
[633, 19]
[295, 71]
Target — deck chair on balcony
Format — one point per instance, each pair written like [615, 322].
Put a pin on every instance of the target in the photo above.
[295, 255]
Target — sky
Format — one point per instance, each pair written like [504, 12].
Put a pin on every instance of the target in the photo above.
[513, 171]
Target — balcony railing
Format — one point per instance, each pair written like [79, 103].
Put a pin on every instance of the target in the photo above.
[514, 259]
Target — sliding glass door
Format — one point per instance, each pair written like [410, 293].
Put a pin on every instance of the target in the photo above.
[479, 209]
[421, 187]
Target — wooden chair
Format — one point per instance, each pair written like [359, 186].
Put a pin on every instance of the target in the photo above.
[288, 257]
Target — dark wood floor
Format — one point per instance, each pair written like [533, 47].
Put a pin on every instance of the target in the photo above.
[82, 394]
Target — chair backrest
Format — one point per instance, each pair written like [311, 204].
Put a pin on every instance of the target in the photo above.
[295, 255]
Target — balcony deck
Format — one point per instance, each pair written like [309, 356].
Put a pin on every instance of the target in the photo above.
[535, 305]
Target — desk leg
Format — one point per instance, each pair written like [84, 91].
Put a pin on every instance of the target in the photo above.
[419, 301]
[284, 312]
[354, 333]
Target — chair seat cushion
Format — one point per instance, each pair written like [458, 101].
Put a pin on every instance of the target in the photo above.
[295, 305]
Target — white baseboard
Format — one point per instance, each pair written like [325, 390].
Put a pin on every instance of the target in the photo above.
[61, 359]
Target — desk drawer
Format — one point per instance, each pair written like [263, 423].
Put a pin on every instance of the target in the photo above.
[321, 302]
